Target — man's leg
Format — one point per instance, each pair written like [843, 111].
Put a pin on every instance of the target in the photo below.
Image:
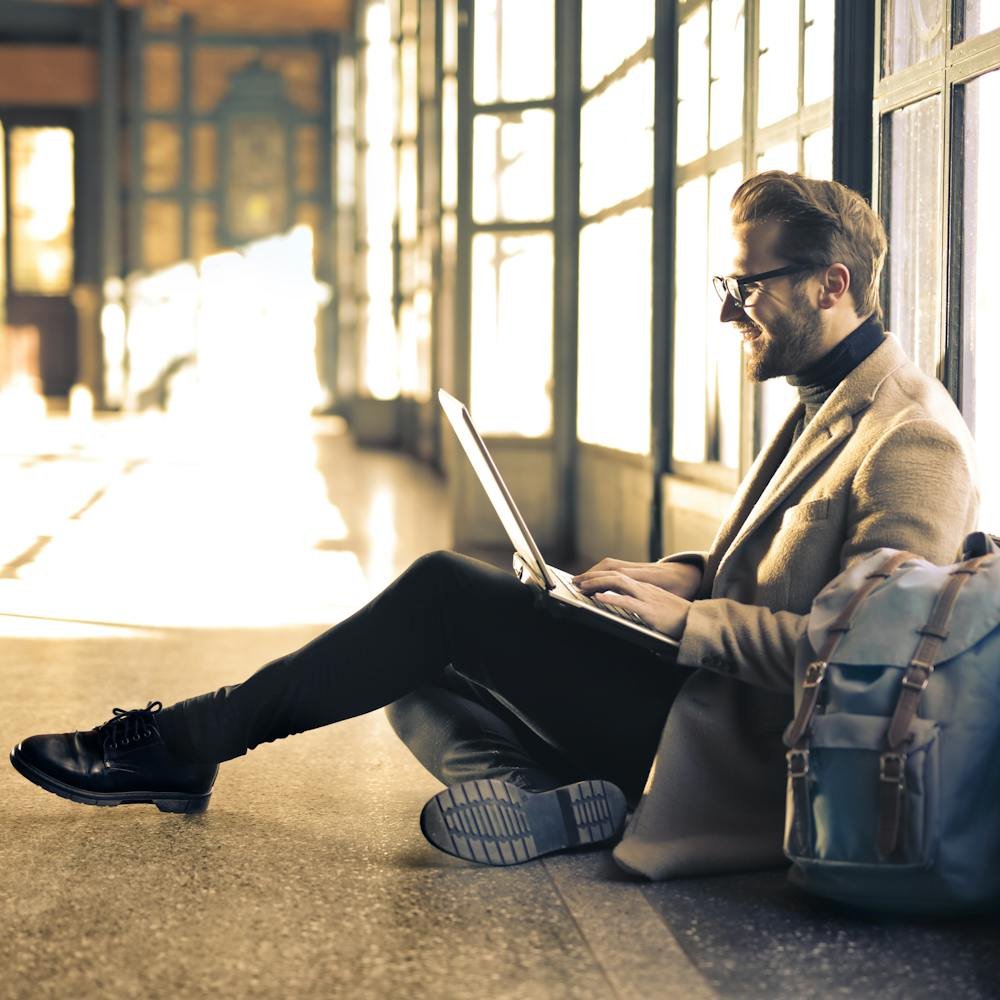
[597, 700]
[459, 731]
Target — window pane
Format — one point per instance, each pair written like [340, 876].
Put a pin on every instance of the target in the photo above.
[616, 141]
[777, 399]
[817, 154]
[724, 346]
[615, 331]
[380, 343]
[408, 88]
[512, 166]
[727, 71]
[981, 16]
[691, 273]
[692, 87]
[980, 264]
[408, 192]
[611, 33]
[817, 60]
[512, 333]
[915, 251]
[913, 31]
[778, 63]
[41, 210]
[784, 156]
[514, 57]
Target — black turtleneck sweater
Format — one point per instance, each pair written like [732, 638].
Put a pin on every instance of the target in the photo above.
[817, 382]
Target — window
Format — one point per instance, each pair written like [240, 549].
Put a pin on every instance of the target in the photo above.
[513, 86]
[616, 198]
[940, 157]
[790, 110]
[980, 316]
[380, 376]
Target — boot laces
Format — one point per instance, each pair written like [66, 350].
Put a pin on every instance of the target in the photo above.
[129, 726]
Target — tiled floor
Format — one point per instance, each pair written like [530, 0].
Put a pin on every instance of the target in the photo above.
[138, 562]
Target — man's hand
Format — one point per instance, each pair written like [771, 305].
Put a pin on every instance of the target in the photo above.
[681, 579]
[657, 607]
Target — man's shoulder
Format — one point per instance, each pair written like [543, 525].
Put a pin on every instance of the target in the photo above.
[899, 391]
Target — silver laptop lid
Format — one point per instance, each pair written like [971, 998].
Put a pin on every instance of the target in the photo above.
[496, 489]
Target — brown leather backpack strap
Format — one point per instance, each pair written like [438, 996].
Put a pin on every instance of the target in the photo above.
[816, 670]
[800, 821]
[921, 665]
[892, 763]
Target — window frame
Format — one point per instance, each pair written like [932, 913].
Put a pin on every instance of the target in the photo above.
[945, 75]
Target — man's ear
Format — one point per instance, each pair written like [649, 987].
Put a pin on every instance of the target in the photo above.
[836, 282]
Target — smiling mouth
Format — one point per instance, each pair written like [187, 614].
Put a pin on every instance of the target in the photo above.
[749, 333]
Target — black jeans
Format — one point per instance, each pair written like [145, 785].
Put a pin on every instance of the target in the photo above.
[480, 683]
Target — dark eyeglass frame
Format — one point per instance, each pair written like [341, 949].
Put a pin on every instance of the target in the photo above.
[733, 285]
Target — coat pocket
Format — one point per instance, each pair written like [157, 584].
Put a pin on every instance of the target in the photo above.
[808, 510]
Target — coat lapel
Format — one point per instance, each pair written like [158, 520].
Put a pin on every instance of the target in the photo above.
[780, 469]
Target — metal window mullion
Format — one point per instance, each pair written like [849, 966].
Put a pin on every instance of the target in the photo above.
[510, 226]
[187, 100]
[514, 107]
[566, 265]
[971, 60]
[463, 243]
[952, 359]
[642, 200]
[665, 89]
[945, 209]
[711, 162]
[621, 70]
[751, 394]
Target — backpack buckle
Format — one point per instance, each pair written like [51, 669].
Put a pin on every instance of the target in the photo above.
[815, 673]
[891, 768]
[798, 763]
[917, 676]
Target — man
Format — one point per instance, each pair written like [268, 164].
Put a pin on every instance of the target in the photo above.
[544, 731]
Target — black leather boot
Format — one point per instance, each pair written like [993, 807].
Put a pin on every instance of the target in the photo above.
[494, 822]
[120, 762]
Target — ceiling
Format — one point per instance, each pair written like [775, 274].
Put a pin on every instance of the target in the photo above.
[281, 17]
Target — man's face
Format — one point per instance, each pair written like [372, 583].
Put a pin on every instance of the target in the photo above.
[781, 327]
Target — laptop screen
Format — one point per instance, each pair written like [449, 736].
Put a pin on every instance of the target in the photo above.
[496, 489]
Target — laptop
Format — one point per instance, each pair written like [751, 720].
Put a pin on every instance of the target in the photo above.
[555, 587]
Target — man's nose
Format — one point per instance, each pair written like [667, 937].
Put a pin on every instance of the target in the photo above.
[731, 310]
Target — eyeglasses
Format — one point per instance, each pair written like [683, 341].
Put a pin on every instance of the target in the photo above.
[734, 286]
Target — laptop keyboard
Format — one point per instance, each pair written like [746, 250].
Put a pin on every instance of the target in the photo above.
[625, 613]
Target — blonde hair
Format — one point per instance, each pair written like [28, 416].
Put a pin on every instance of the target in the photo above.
[822, 223]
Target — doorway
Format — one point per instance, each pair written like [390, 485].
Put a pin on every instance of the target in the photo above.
[37, 259]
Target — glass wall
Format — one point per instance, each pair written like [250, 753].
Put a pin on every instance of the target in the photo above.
[513, 139]
[785, 95]
[616, 239]
[940, 157]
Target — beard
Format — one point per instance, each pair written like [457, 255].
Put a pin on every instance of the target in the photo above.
[786, 345]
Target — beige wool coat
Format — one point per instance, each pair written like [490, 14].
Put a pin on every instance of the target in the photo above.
[887, 461]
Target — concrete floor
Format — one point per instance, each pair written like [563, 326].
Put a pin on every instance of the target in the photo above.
[140, 560]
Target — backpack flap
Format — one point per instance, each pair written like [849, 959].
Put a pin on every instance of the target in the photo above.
[887, 625]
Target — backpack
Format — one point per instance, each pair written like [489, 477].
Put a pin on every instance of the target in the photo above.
[893, 798]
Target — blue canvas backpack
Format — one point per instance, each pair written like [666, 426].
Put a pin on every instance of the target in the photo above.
[894, 752]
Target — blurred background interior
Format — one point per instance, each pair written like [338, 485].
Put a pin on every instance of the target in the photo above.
[238, 214]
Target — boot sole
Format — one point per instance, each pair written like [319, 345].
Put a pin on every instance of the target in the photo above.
[171, 802]
[493, 822]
